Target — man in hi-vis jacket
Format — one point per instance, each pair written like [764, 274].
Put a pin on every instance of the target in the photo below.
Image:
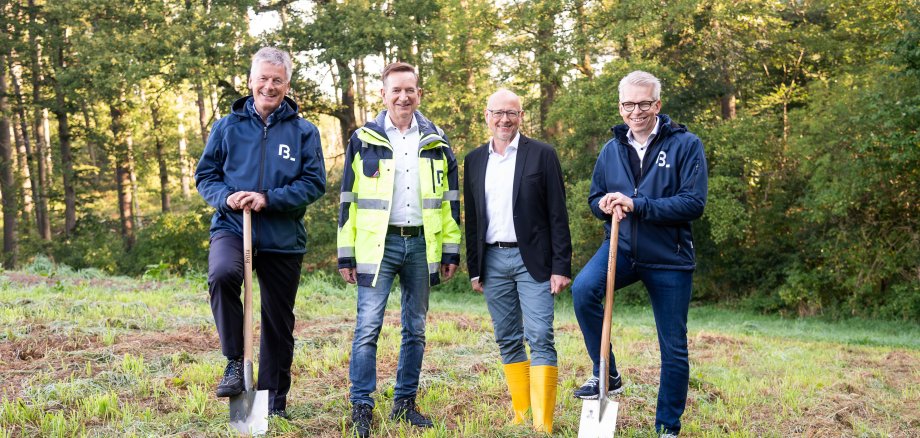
[399, 215]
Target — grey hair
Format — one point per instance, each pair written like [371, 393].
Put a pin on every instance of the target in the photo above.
[273, 56]
[643, 79]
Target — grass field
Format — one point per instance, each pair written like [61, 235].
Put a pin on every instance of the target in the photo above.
[86, 354]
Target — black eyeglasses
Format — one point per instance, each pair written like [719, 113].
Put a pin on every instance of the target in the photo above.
[631, 106]
[512, 115]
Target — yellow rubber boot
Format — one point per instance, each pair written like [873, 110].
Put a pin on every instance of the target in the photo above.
[543, 379]
[518, 377]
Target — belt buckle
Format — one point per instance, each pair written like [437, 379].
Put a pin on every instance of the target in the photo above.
[402, 232]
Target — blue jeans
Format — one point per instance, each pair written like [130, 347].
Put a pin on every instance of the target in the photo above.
[403, 256]
[669, 292]
[521, 307]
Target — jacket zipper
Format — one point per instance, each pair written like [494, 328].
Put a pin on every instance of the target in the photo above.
[261, 175]
[635, 223]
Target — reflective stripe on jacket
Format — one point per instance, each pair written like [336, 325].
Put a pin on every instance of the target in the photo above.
[367, 193]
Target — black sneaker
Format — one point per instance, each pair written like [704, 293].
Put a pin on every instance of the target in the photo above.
[361, 416]
[280, 413]
[232, 382]
[406, 410]
[590, 389]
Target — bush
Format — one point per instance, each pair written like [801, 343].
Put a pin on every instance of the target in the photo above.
[94, 243]
[172, 242]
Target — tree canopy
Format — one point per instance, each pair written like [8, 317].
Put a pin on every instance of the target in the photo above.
[808, 111]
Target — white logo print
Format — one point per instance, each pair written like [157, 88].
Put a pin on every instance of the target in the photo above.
[661, 160]
[284, 151]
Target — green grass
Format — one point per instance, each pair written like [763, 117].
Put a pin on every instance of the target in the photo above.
[82, 354]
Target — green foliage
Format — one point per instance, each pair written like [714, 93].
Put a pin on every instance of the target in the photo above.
[94, 243]
[812, 205]
[859, 219]
[321, 222]
[587, 230]
[177, 241]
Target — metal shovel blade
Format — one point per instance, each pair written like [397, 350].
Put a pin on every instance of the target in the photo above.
[598, 420]
[249, 409]
[249, 412]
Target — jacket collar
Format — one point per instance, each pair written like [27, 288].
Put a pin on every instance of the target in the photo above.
[428, 132]
[243, 107]
[666, 128]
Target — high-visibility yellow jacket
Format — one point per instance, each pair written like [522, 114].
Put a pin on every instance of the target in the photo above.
[367, 194]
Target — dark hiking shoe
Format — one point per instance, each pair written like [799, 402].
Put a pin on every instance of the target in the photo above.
[405, 410]
[279, 413]
[232, 382]
[590, 389]
[361, 416]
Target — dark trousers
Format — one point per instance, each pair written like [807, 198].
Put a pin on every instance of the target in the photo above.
[279, 275]
[669, 292]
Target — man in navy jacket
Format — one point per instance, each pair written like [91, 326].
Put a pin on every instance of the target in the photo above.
[652, 176]
[264, 157]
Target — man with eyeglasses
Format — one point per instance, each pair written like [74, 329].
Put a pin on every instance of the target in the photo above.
[519, 251]
[263, 157]
[652, 176]
[399, 215]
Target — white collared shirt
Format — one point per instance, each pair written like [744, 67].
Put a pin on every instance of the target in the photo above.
[499, 184]
[642, 147]
[407, 205]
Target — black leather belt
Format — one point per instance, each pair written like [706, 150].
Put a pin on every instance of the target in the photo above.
[405, 231]
[504, 244]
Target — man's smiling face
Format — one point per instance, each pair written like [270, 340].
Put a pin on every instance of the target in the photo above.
[269, 84]
[639, 121]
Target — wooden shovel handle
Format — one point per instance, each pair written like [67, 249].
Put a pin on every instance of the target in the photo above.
[604, 374]
[247, 285]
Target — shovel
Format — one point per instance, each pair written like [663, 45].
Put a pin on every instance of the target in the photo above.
[599, 417]
[249, 409]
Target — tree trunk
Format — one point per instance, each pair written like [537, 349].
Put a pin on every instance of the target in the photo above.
[132, 175]
[161, 158]
[24, 146]
[91, 147]
[549, 80]
[582, 41]
[346, 111]
[362, 91]
[184, 170]
[40, 183]
[70, 196]
[7, 182]
[22, 163]
[122, 177]
[215, 109]
[202, 113]
[728, 106]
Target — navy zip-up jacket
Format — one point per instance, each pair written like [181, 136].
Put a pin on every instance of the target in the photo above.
[669, 193]
[282, 159]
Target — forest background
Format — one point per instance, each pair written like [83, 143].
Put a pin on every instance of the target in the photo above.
[808, 109]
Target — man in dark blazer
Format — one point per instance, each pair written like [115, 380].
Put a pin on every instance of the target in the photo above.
[519, 251]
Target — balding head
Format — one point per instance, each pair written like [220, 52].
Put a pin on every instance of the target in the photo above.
[503, 96]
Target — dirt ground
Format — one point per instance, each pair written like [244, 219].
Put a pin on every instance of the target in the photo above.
[858, 400]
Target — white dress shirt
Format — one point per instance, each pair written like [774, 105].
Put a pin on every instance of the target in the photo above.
[642, 147]
[499, 186]
[407, 205]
